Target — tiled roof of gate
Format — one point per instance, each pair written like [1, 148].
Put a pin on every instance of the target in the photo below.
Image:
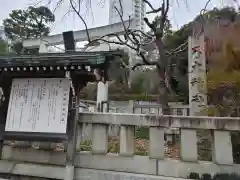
[58, 59]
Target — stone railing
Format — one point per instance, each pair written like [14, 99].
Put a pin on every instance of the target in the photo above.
[99, 162]
[175, 109]
[181, 110]
[136, 108]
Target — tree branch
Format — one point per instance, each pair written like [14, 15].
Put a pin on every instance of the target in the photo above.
[82, 19]
[133, 38]
[151, 6]
[150, 25]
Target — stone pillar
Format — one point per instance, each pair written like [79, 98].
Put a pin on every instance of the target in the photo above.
[188, 153]
[99, 139]
[197, 75]
[131, 106]
[102, 96]
[156, 142]
[127, 140]
[222, 148]
[198, 90]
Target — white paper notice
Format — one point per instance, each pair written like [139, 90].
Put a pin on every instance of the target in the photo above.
[38, 105]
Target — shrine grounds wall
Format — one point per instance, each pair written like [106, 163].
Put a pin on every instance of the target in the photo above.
[31, 161]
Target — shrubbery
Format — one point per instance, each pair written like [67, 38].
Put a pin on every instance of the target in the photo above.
[222, 176]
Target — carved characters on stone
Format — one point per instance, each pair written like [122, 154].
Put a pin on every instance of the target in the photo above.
[197, 77]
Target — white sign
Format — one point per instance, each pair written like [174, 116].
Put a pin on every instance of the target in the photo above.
[38, 105]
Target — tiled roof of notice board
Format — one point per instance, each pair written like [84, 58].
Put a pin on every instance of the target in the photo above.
[71, 60]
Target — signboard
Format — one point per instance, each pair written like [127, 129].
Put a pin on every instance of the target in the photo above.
[38, 105]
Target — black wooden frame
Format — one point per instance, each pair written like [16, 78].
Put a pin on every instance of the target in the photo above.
[38, 66]
[39, 136]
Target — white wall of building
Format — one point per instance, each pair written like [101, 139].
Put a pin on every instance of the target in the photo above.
[134, 8]
[127, 10]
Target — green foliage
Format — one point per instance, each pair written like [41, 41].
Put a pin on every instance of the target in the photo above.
[223, 77]
[137, 84]
[142, 133]
[135, 97]
[167, 30]
[89, 92]
[145, 84]
[220, 176]
[193, 175]
[228, 13]
[30, 23]
[15, 25]
[40, 17]
[17, 47]
[224, 90]
[178, 37]
[3, 47]
[167, 26]
[119, 71]
[173, 40]
[179, 63]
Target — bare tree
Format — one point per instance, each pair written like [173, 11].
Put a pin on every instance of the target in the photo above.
[137, 40]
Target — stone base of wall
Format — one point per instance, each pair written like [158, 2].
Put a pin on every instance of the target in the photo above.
[26, 171]
[28, 162]
[88, 174]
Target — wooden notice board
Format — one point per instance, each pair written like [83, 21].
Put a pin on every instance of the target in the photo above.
[38, 105]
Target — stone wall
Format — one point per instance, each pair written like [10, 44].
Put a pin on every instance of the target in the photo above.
[98, 163]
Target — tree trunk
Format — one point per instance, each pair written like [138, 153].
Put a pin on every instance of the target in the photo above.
[163, 93]
[162, 69]
[163, 98]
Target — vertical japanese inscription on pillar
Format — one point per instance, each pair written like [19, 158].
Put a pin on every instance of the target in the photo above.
[197, 75]
[38, 105]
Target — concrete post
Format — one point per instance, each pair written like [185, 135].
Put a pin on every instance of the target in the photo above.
[131, 106]
[222, 148]
[156, 142]
[69, 172]
[99, 139]
[188, 153]
[102, 96]
[127, 140]
[79, 129]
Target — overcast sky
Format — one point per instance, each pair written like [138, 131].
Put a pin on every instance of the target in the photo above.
[181, 12]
